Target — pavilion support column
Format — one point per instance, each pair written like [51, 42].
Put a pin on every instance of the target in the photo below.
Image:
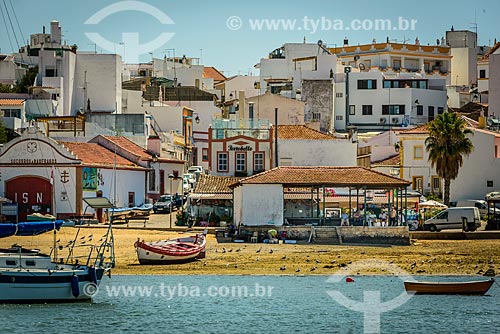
[324, 206]
[364, 206]
[317, 202]
[357, 198]
[312, 202]
[406, 205]
[350, 204]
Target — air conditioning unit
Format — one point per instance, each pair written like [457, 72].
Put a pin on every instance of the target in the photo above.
[395, 120]
[383, 120]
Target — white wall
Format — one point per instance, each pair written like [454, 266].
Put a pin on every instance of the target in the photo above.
[471, 181]
[237, 83]
[103, 77]
[290, 111]
[318, 152]
[257, 209]
[494, 85]
[463, 66]
[391, 96]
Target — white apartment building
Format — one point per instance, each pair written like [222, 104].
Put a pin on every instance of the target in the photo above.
[494, 84]
[399, 84]
[382, 100]
[472, 182]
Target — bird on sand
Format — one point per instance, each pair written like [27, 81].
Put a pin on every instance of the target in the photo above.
[258, 250]
[284, 257]
[271, 251]
[283, 268]
[297, 270]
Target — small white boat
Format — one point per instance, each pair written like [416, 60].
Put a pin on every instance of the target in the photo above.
[179, 250]
[29, 276]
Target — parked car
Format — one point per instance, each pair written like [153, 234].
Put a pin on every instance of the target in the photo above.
[466, 218]
[166, 204]
[186, 186]
[478, 203]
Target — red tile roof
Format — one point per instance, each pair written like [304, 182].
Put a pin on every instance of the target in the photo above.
[302, 132]
[11, 102]
[212, 72]
[391, 161]
[329, 176]
[129, 146]
[486, 56]
[419, 130]
[97, 155]
[211, 184]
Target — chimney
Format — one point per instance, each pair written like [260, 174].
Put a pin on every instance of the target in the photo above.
[241, 102]
[154, 145]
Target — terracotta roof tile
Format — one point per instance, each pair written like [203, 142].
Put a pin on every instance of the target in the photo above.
[302, 132]
[11, 102]
[212, 72]
[486, 56]
[419, 130]
[129, 146]
[95, 154]
[391, 161]
[211, 184]
[329, 176]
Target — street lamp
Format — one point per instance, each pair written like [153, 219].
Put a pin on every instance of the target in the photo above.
[171, 178]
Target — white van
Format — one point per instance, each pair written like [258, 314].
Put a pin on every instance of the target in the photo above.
[478, 203]
[452, 218]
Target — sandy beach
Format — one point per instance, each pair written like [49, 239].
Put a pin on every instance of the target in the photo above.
[426, 257]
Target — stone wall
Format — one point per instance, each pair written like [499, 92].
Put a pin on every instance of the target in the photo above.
[394, 235]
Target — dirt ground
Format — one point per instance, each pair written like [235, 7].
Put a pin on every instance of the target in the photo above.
[426, 257]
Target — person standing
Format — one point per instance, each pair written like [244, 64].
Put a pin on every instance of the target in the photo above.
[392, 216]
[383, 218]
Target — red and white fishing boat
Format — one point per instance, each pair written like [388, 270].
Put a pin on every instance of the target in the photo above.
[178, 250]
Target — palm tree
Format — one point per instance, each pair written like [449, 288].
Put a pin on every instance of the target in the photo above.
[447, 143]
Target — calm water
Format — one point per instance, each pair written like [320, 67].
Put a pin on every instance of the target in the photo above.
[273, 304]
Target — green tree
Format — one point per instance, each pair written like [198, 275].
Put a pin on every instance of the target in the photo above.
[3, 133]
[447, 144]
[27, 80]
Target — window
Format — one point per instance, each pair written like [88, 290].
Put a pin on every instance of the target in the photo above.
[204, 154]
[250, 110]
[316, 116]
[418, 152]
[352, 110]
[222, 162]
[482, 74]
[440, 110]
[367, 84]
[417, 183]
[431, 113]
[496, 151]
[241, 162]
[436, 184]
[131, 198]
[489, 184]
[339, 118]
[339, 95]
[10, 262]
[420, 110]
[30, 263]
[417, 84]
[258, 161]
[11, 112]
[367, 110]
[151, 180]
[393, 109]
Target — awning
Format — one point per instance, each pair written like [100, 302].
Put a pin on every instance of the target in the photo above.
[98, 202]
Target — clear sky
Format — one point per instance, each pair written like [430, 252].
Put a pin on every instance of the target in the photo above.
[225, 34]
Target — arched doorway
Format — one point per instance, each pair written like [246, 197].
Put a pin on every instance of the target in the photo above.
[31, 193]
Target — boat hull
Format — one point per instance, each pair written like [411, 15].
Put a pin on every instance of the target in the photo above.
[47, 287]
[449, 288]
[172, 251]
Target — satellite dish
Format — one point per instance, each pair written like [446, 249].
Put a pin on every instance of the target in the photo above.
[320, 42]
[362, 66]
